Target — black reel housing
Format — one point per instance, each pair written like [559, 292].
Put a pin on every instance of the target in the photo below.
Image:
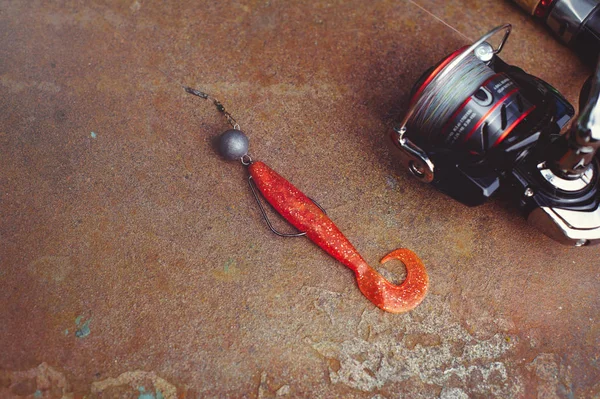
[506, 133]
[511, 124]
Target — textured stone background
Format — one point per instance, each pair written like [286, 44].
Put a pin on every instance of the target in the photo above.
[134, 263]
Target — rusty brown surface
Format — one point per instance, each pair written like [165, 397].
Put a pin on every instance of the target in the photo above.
[142, 230]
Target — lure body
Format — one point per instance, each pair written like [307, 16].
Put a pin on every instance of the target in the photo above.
[303, 214]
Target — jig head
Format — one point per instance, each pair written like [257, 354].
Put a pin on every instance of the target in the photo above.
[311, 220]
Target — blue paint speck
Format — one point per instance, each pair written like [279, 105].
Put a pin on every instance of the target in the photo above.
[146, 395]
[230, 262]
[93, 135]
[37, 394]
[84, 328]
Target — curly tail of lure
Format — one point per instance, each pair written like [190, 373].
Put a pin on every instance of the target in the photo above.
[309, 218]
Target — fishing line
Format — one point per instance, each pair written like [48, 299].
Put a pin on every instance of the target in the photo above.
[442, 94]
[439, 19]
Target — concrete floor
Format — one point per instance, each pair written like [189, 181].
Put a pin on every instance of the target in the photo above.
[134, 263]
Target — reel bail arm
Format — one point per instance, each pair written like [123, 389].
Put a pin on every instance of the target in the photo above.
[583, 138]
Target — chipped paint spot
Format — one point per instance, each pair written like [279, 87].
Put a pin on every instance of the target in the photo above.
[283, 391]
[263, 388]
[161, 389]
[453, 393]
[266, 391]
[434, 347]
[36, 383]
[83, 329]
[148, 395]
[45, 381]
[93, 135]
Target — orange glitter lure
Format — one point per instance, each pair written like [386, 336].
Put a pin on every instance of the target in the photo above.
[302, 213]
[310, 219]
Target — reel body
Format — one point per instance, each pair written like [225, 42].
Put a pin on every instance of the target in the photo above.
[479, 125]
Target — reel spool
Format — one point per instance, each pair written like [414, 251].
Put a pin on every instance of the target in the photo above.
[472, 108]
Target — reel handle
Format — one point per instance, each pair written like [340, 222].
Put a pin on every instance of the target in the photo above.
[583, 137]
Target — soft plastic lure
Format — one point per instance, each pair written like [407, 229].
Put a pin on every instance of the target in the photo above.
[305, 215]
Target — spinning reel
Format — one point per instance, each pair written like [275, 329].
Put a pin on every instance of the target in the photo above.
[476, 124]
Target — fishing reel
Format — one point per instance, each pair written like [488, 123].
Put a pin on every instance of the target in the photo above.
[477, 125]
